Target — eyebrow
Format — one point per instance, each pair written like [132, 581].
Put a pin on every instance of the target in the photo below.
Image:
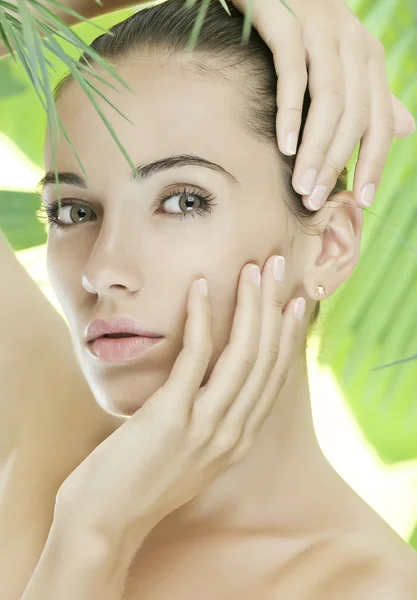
[142, 172]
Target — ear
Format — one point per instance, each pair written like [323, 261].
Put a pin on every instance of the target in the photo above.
[335, 249]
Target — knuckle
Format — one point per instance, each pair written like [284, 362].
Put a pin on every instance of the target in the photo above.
[170, 425]
[296, 71]
[201, 436]
[250, 354]
[65, 496]
[320, 149]
[278, 302]
[226, 440]
[353, 28]
[389, 123]
[282, 376]
[243, 448]
[336, 92]
[377, 48]
[291, 109]
[284, 373]
[335, 170]
[202, 353]
[360, 118]
[379, 167]
[274, 353]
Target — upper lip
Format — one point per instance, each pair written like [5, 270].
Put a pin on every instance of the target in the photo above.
[120, 324]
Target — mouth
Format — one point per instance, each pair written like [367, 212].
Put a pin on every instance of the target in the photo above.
[120, 327]
[121, 347]
[119, 335]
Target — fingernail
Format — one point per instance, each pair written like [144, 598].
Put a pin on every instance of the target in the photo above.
[299, 308]
[202, 286]
[367, 194]
[318, 197]
[279, 268]
[255, 274]
[307, 181]
[291, 146]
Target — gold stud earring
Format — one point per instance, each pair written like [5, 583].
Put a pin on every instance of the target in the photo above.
[320, 290]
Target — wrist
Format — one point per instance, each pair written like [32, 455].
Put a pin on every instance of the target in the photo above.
[102, 540]
[77, 563]
[69, 538]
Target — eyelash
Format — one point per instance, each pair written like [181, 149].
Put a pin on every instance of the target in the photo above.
[49, 213]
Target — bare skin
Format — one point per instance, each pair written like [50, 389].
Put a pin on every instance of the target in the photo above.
[320, 544]
[284, 502]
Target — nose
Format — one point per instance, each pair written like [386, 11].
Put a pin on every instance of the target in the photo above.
[104, 279]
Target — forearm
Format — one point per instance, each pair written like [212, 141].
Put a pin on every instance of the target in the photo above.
[79, 564]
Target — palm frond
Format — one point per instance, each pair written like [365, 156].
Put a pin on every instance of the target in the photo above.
[21, 32]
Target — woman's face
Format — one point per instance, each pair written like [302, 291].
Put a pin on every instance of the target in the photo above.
[127, 255]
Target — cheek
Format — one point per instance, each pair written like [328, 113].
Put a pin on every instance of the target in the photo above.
[62, 277]
[53, 270]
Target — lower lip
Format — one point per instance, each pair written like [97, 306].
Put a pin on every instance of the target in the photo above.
[121, 349]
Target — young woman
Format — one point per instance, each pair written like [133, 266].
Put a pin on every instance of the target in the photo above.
[215, 487]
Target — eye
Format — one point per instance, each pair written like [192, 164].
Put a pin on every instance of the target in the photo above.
[75, 211]
[188, 203]
[79, 213]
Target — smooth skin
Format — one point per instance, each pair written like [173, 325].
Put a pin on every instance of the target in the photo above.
[331, 51]
[343, 64]
[303, 431]
[132, 254]
[187, 432]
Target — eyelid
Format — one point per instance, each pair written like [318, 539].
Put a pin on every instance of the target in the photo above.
[171, 188]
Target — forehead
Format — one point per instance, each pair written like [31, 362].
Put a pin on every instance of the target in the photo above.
[172, 109]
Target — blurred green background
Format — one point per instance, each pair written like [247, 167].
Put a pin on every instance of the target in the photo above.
[365, 418]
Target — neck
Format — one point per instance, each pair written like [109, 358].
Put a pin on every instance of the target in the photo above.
[284, 484]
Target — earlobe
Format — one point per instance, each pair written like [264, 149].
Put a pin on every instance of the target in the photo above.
[339, 231]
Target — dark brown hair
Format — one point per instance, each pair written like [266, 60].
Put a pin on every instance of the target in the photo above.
[165, 29]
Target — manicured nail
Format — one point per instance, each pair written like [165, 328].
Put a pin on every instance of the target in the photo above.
[367, 194]
[279, 268]
[291, 146]
[307, 181]
[318, 197]
[202, 286]
[299, 308]
[255, 274]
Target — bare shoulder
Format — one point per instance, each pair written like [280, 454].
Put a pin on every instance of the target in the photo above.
[360, 567]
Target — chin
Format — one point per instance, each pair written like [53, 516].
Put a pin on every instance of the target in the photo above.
[122, 395]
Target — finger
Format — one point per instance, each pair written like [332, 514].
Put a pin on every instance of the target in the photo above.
[269, 347]
[191, 364]
[405, 124]
[281, 31]
[352, 125]
[290, 339]
[376, 142]
[327, 93]
[239, 356]
[290, 65]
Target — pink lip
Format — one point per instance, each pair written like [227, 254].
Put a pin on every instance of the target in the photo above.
[121, 324]
[121, 349]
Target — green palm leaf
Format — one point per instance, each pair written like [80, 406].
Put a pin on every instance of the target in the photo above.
[23, 35]
[368, 333]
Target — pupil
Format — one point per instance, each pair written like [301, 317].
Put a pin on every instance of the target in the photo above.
[189, 201]
[80, 213]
